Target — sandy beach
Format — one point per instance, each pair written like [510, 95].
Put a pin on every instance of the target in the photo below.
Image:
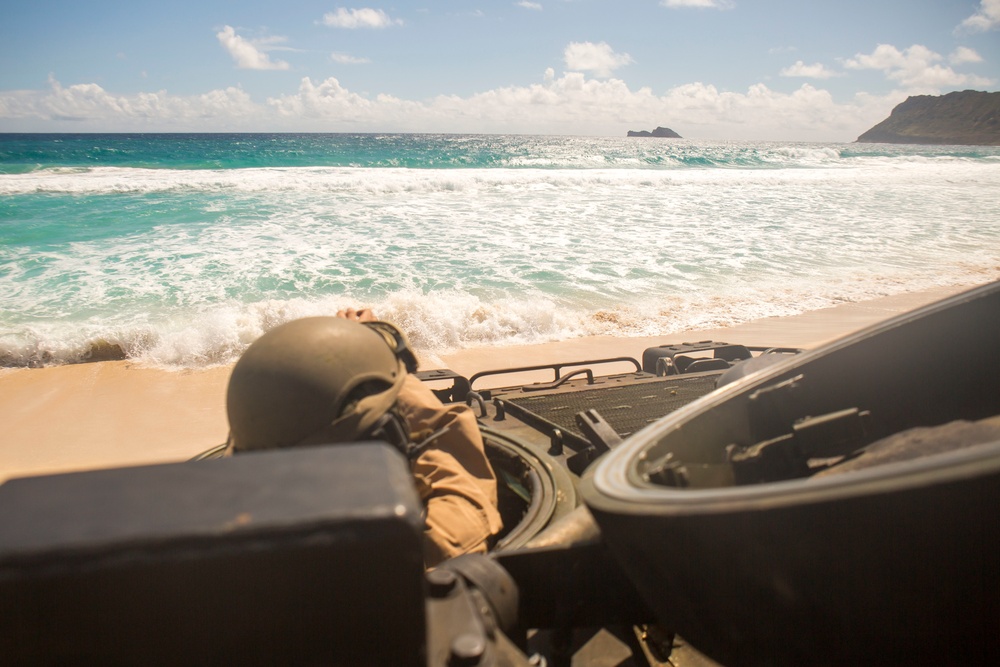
[119, 413]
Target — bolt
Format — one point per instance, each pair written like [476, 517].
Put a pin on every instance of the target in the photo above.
[442, 582]
[467, 650]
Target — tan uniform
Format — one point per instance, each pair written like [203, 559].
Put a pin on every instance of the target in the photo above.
[453, 476]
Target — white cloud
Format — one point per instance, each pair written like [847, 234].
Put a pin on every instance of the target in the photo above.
[347, 59]
[704, 4]
[359, 18]
[885, 57]
[987, 18]
[575, 104]
[328, 100]
[597, 58]
[567, 104]
[530, 5]
[249, 54]
[817, 71]
[963, 55]
[916, 68]
[91, 107]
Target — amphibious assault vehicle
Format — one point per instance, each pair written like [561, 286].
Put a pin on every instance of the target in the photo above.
[707, 504]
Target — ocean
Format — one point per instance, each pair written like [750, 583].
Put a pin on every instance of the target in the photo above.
[179, 250]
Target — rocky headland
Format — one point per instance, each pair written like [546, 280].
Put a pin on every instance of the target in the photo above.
[661, 132]
[969, 118]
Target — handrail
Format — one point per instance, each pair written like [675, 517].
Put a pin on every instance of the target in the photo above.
[556, 368]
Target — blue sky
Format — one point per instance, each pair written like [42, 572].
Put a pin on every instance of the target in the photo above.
[786, 70]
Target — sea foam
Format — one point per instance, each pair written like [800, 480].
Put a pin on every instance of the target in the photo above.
[556, 238]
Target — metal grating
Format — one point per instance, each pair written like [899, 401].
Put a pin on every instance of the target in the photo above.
[626, 407]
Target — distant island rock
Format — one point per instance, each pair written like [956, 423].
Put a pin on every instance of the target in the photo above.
[968, 118]
[662, 132]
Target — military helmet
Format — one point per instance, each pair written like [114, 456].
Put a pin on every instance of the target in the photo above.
[316, 380]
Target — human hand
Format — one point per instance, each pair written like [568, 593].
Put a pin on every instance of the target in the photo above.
[363, 315]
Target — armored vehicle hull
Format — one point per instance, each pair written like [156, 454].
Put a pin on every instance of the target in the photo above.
[837, 508]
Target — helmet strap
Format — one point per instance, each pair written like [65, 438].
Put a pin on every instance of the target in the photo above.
[391, 428]
[418, 448]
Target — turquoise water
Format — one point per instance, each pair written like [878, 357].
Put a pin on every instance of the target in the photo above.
[181, 249]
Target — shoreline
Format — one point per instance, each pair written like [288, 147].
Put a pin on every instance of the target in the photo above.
[119, 413]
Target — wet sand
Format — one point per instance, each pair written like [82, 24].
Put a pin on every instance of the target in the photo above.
[119, 413]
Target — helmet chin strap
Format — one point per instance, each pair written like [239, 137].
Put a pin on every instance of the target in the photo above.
[417, 448]
[391, 428]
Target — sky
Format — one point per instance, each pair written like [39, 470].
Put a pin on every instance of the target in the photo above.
[781, 70]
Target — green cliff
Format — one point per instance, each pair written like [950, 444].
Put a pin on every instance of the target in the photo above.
[970, 118]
